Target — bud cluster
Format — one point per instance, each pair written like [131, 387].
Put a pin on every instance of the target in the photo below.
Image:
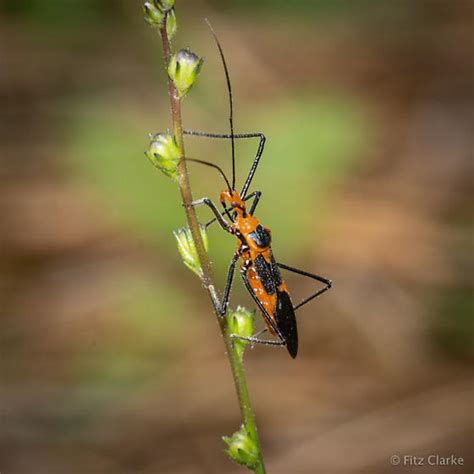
[155, 13]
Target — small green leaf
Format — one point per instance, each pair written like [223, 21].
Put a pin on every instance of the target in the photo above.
[187, 249]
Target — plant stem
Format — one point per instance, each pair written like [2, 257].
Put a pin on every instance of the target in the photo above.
[183, 178]
[207, 277]
[240, 382]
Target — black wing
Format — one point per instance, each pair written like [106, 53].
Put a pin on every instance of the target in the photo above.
[286, 321]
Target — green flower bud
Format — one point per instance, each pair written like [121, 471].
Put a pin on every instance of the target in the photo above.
[187, 249]
[165, 154]
[242, 448]
[183, 68]
[240, 323]
[165, 4]
[171, 24]
[153, 15]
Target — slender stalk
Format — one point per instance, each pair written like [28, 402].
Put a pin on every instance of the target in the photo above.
[236, 364]
[183, 180]
[240, 382]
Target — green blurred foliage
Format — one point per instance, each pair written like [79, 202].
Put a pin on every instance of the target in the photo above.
[61, 12]
[453, 324]
[147, 328]
[108, 151]
[314, 143]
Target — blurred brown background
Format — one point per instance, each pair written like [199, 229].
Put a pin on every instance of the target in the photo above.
[110, 358]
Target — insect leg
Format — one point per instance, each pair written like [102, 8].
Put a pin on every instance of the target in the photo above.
[255, 339]
[222, 222]
[258, 155]
[326, 281]
[228, 286]
[256, 195]
[254, 166]
[227, 213]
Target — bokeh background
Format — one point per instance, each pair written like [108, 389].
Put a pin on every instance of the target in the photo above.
[111, 360]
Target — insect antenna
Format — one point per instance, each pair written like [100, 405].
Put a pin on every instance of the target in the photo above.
[212, 165]
[231, 102]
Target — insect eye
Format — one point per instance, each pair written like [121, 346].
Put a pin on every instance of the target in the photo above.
[233, 204]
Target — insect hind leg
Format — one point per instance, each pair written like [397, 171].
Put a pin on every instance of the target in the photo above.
[327, 282]
[255, 340]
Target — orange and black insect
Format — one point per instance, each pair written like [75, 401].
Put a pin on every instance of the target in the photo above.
[259, 270]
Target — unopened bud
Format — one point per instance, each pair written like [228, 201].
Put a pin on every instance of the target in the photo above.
[240, 323]
[183, 68]
[242, 448]
[153, 15]
[187, 249]
[165, 154]
[165, 4]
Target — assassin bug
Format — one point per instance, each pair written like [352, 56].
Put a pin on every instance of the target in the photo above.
[259, 270]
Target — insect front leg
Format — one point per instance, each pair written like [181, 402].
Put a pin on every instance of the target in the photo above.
[230, 276]
[256, 161]
[222, 222]
[256, 195]
[327, 282]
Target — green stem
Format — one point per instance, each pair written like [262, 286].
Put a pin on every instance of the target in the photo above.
[238, 373]
[236, 364]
